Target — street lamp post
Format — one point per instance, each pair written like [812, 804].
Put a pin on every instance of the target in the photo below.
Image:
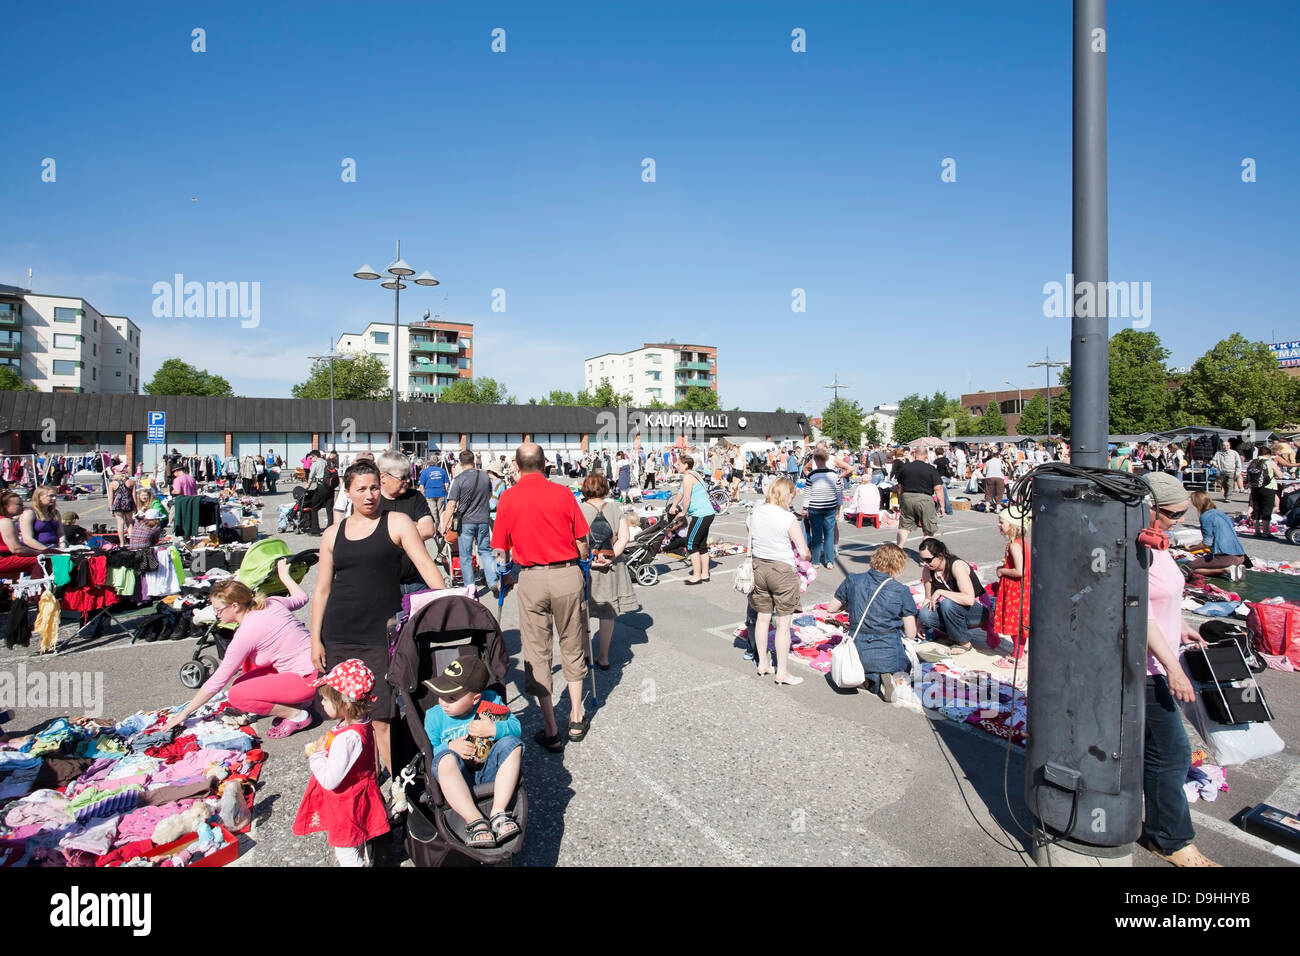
[331, 355]
[399, 270]
[836, 386]
[1047, 365]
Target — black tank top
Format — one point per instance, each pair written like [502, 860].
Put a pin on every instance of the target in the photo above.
[945, 584]
[365, 590]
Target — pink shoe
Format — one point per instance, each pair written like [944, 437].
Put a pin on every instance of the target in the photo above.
[282, 727]
[1009, 662]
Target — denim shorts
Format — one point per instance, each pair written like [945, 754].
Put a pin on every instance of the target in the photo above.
[501, 749]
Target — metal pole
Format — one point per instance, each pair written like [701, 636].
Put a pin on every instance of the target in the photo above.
[332, 395]
[1048, 371]
[1089, 351]
[397, 334]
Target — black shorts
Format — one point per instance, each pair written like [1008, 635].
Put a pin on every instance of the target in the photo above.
[697, 534]
[375, 656]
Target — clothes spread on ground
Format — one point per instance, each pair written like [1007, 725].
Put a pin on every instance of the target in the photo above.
[60, 806]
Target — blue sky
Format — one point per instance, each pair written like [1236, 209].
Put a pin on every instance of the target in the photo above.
[775, 170]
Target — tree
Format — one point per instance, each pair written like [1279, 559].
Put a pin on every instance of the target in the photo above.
[842, 422]
[11, 381]
[1139, 389]
[476, 391]
[658, 404]
[781, 411]
[871, 432]
[916, 410]
[1033, 418]
[604, 397]
[357, 377]
[991, 422]
[698, 399]
[175, 377]
[908, 426]
[1235, 383]
[558, 396]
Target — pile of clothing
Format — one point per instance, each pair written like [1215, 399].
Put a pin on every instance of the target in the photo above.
[721, 549]
[91, 792]
[1205, 781]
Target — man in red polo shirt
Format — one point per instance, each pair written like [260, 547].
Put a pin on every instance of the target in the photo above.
[541, 526]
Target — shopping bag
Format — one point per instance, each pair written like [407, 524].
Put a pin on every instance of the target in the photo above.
[1230, 744]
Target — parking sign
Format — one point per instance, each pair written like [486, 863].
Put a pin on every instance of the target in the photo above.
[157, 428]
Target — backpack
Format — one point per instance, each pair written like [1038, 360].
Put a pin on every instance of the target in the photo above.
[1257, 474]
[602, 533]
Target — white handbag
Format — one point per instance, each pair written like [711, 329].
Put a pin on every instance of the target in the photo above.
[846, 665]
[744, 580]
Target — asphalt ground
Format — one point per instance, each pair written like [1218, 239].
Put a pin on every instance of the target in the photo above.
[692, 760]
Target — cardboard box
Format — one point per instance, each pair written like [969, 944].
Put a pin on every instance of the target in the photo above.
[960, 505]
[248, 532]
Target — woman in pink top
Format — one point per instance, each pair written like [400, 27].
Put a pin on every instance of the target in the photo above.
[277, 648]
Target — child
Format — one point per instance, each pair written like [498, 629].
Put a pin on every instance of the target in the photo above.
[343, 796]
[73, 533]
[147, 530]
[452, 727]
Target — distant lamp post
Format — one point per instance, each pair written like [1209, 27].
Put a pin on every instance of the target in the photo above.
[1047, 365]
[330, 356]
[398, 271]
[836, 386]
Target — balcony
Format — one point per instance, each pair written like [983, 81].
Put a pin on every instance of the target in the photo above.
[441, 348]
[11, 348]
[11, 319]
[683, 381]
[427, 389]
[693, 367]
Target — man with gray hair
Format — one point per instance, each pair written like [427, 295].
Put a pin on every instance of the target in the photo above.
[1228, 465]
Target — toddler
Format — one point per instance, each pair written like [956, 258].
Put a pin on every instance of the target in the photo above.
[343, 796]
[475, 739]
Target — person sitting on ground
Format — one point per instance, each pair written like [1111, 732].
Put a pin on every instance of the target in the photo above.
[473, 745]
[1226, 557]
[42, 526]
[952, 595]
[275, 646]
[73, 533]
[887, 611]
[16, 558]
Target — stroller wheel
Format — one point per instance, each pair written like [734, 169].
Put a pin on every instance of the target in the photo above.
[209, 663]
[647, 575]
[193, 673]
[1293, 535]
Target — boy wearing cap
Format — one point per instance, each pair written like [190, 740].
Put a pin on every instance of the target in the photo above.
[1167, 825]
[461, 689]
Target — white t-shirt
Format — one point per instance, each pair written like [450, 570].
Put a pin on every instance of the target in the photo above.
[993, 468]
[770, 526]
[866, 499]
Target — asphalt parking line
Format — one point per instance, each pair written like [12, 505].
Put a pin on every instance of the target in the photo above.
[1204, 820]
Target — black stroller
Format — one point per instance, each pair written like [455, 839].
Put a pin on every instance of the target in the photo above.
[444, 629]
[646, 545]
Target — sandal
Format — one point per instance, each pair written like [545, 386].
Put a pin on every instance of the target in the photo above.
[554, 744]
[579, 730]
[504, 827]
[1009, 662]
[284, 727]
[1187, 856]
[478, 835]
[956, 649]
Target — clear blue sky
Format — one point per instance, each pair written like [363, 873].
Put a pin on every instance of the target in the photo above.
[775, 170]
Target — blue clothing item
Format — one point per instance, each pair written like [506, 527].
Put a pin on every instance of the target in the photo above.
[699, 506]
[487, 773]
[482, 533]
[1218, 608]
[133, 725]
[879, 641]
[442, 729]
[434, 481]
[1219, 534]
[1166, 757]
[947, 503]
[821, 538]
[961, 624]
[625, 477]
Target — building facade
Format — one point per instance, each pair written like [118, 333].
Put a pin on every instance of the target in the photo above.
[1010, 402]
[883, 416]
[431, 355]
[64, 344]
[661, 372]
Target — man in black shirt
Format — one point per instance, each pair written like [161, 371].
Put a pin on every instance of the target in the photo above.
[944, 467]
[918, 486]
[396, 494]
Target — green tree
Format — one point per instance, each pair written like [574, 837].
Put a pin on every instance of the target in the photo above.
[11, 381]
[476, 391]
[871, 431]
[991, 422]
[658, 404]
[1139, 389]
[557, 396]
[357, 377]
[916, 410]
[175, 377]
[604, 396]
[842, 422]
[699, 400]
[908, 426]
[1235, 383]
[1033, 419]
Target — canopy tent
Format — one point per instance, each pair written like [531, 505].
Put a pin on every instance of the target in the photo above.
[927, 443]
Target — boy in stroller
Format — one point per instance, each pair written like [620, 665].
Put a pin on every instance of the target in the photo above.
[476, 741]
[646, 545]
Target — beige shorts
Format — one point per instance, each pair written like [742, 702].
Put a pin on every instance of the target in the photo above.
[776, 588]
[917, 510]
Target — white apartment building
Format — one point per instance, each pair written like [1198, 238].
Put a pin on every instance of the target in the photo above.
[655, 372]
[431, 355]
[64, 344]
[883, 416]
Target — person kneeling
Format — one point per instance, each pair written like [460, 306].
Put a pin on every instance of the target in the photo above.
[475, 740]
[884, 611]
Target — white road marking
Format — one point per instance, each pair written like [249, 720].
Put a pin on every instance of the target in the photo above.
[1241, 836]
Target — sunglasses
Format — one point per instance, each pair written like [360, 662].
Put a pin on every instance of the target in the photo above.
[927, 558]
[1172, 515]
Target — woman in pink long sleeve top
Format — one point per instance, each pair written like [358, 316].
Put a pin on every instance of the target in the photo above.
[277, 648]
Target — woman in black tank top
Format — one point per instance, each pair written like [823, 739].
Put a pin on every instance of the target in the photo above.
[952, 595]
[358, 588]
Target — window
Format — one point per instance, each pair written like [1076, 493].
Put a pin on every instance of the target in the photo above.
[65, 341]
[656, 358]
[96, 321]
[65, 367]
[66, 315]
[465, 343]
[462, 363]
[379, 338]
[119, 351]
[94, 374]
[589, 368]
[119, 375]
[655, 376]
[94, 348]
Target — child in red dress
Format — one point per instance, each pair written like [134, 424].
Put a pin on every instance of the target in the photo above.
[1011, 613]
[343, 796]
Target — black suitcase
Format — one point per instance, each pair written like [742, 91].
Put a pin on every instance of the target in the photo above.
[1219, 630]
[1237, 703]
[1221, 662]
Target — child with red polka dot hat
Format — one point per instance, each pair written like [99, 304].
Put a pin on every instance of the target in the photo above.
[343, 797]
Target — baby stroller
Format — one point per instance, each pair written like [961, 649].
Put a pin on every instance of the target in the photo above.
[448, 560]
[646, 545]
[257, 572]
[292, 518]
[438, 633]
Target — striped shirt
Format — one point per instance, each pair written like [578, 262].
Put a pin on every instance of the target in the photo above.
[824, 489]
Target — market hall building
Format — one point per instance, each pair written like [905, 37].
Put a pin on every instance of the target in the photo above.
[70, 423]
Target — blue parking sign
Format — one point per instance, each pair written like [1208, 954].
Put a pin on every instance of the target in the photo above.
[157, 428]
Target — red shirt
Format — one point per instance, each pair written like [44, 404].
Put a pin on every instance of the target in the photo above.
[538, 522]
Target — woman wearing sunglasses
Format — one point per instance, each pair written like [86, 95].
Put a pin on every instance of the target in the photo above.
[952, 595]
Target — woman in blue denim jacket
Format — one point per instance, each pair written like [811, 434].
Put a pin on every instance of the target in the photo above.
[1226, 558]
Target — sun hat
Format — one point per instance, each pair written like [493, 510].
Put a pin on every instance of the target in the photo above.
[1166, 490]
[352, 679]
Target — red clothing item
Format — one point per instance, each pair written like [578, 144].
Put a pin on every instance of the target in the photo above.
[127, 851]
[353, 812]
[538, 522]
[1013, 594]
[175, 750]
[88, 599]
